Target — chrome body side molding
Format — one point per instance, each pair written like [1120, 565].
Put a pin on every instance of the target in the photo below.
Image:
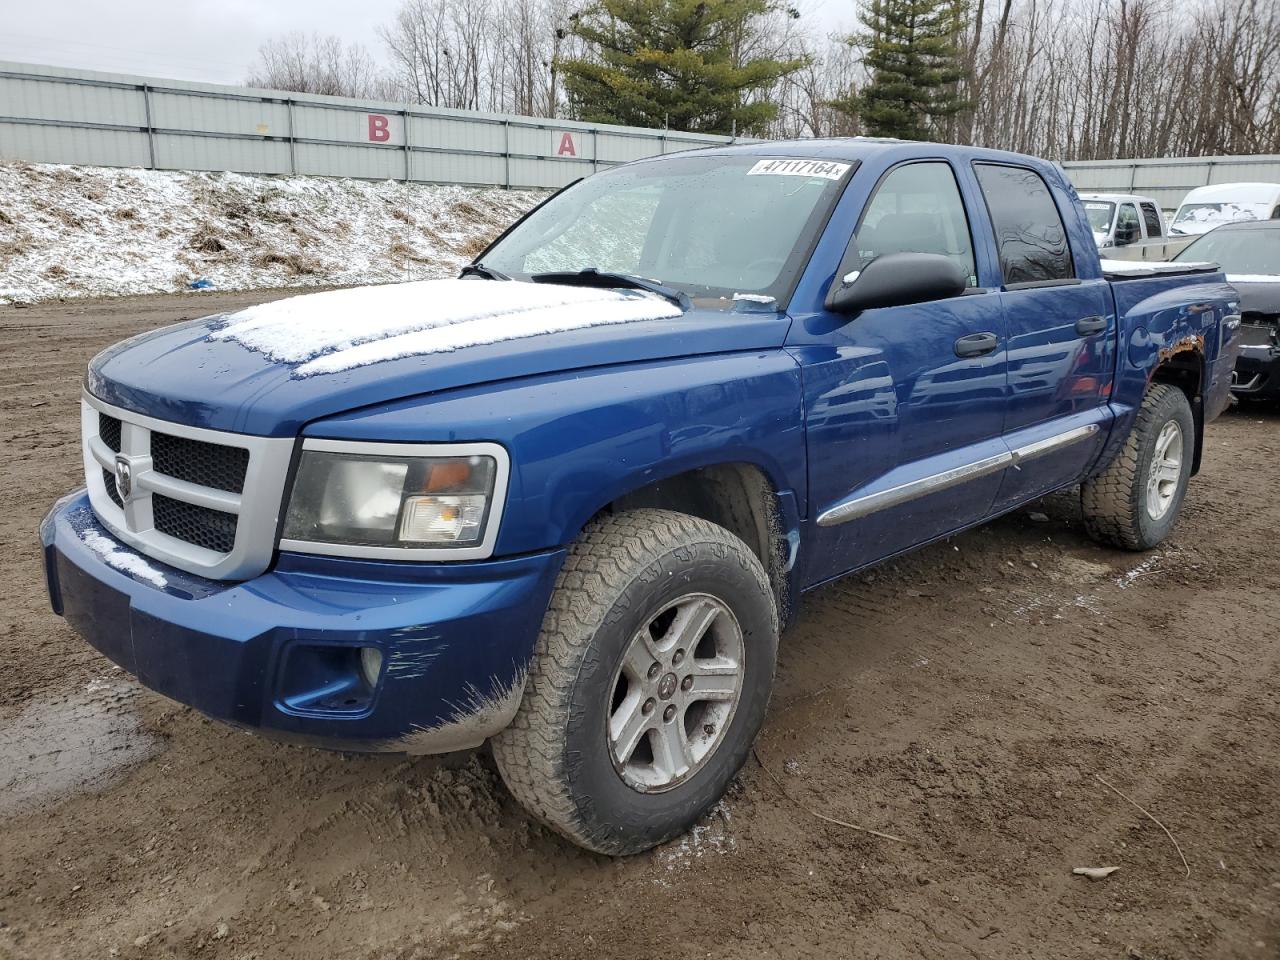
[860, 506]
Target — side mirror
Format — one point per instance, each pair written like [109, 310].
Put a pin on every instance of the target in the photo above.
[896, 280]
[1126, 234]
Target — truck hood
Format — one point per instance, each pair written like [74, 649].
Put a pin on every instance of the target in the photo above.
[272, 368]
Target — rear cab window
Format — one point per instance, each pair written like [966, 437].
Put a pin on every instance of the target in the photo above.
[1152, 218]
[1030, 236]
[916, 208]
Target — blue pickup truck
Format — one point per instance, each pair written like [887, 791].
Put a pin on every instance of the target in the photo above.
[564, 507]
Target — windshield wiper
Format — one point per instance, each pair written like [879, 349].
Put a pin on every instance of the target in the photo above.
[480, 270]
[591, 277]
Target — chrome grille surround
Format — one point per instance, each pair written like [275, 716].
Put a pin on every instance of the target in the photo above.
[257, 509]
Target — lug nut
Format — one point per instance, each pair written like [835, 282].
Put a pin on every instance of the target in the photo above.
[686, 683]
[669, 714]
[654, 670]
[709, 729]
[678, 658]
[648, 706]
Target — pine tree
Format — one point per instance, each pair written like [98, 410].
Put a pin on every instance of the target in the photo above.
[673, 63]
[915, 67]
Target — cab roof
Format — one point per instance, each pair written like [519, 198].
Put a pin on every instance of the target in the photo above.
[861, 149]
[1118, 197]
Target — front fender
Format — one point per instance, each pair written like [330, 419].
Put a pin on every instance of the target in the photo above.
[580, 440]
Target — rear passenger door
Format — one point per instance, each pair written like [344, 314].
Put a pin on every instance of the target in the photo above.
[1062, 332]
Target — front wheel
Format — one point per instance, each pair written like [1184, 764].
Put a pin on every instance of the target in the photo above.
[1135, 502]
[649, 684]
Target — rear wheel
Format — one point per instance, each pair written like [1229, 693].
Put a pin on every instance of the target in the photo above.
[650, 682]
[1135, 502]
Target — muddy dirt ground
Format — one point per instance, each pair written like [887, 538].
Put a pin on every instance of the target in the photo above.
[965, 699]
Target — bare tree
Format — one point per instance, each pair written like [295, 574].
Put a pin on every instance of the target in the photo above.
[310, 63]
[1069, 79]
[1100, 79]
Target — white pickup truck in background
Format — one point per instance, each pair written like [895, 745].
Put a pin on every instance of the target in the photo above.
[1124, 223]
[1129, 226]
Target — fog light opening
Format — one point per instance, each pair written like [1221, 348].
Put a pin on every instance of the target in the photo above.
[370, 665]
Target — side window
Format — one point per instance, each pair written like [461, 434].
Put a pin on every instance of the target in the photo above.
[1128, 230]
[1029, 233]
[1152, 216]
[916, 209]
[1275, 214]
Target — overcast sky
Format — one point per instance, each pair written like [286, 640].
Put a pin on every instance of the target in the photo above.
[215, 41]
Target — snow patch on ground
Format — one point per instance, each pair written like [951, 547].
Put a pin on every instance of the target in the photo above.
[432, 316]
[124, 560]
[68, 231]
[710, 836]
[1051, 606]
[1148, 566]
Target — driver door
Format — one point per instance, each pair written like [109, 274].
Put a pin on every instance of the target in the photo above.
[904, 406]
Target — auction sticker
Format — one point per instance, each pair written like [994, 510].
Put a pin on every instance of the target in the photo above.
[785, 167]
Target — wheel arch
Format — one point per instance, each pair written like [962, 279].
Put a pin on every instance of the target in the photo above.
[1183, 365]
[740, 496]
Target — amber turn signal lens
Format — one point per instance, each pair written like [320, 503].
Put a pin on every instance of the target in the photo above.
[447, 475]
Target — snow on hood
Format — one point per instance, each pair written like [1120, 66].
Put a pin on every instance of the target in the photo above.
[343, 329]
[1252, 278]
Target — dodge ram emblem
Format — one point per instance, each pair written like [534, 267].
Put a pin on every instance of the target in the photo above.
[124, 478]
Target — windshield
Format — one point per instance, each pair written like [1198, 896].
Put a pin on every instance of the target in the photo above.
[1190, 213]
[709, 226]
[1099, 213]
[1253, 252]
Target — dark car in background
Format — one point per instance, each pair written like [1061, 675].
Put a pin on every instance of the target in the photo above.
[1249, 254]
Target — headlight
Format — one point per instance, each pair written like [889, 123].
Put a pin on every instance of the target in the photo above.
[412, 501]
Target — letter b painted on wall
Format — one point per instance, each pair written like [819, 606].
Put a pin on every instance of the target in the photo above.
[379, 128]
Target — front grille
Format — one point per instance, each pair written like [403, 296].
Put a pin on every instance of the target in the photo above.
[204, 501]
[109, 481]
[211, 529]
[204, 464]
[109, 431]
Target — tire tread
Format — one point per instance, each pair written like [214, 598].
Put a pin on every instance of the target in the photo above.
[531, 753]
[1110, 501]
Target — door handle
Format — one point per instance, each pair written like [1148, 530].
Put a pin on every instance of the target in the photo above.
[1088, 326]
[977, 344]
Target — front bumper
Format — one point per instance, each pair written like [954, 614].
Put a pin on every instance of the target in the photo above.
[281, 653]
[1257, 372]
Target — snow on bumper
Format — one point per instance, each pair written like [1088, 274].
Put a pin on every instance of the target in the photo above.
[281, 654]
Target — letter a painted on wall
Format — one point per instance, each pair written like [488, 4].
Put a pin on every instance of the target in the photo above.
[566, 148]
[379, 128]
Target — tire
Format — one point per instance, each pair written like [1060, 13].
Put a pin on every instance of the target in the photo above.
[1122, 507]
[631, 584]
